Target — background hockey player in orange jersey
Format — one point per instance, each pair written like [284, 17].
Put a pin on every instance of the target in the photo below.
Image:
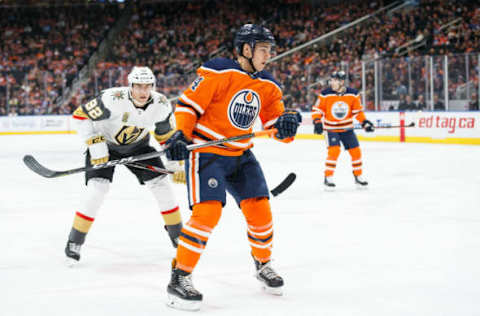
[224, 101]
[334, 111]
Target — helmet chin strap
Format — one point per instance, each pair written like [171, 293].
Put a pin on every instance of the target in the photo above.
[250, 60]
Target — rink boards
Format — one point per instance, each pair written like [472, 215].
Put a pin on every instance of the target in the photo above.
[430, 127]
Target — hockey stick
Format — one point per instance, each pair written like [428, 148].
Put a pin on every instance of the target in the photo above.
[285, 184]
[282, 186]
[412, 124]
[38, 168]
[150, 168]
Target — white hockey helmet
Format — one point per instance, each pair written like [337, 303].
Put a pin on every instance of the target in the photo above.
[141, 75]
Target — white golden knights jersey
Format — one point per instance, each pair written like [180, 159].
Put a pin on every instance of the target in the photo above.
[114, 116]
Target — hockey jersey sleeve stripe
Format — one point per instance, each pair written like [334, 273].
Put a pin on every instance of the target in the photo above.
[186, 109]
[79, 117]
[347, 121]
[190, 102]
[214, 135]
[270, 123]
[79, 114]
[197, 135]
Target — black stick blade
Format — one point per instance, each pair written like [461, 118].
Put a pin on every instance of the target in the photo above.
[285, 184]
[36, 167]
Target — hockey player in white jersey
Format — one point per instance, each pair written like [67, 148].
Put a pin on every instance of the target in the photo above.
[114, 125]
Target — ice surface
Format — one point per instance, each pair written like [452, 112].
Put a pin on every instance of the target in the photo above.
[409, 245]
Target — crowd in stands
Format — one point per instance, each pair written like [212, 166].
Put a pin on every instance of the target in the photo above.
[42, 50]
[42, 53]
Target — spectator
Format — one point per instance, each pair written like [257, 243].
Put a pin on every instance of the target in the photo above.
[407, 104]
[438, 105]
[473, 103]
[421, 104]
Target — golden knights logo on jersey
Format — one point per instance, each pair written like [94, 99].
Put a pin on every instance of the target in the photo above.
[243, 109]
[340, 110]
[128, 134]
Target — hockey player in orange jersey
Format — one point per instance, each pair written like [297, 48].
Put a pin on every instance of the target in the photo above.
[334, 111]
[224, 101]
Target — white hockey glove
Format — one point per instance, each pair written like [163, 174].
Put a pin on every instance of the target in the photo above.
[98, 150]
[179, 175]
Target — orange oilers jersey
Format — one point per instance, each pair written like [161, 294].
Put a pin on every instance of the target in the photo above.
[225, 101]
[338, 110]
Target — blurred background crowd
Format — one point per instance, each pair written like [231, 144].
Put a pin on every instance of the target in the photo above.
[402, 55]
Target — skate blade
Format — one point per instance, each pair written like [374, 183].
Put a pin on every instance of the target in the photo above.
[361, 187]
[69, 262]
[178, 303]
[273, 290]
[329, 189]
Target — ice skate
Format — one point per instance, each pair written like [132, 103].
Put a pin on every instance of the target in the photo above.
[271, 281]
[72, 251]
[328, 183]
[181, 293]
[360, 182]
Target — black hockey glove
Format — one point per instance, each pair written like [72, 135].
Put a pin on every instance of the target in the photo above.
[368, 126]
[287, 124]
[177, 146]
[318, 126]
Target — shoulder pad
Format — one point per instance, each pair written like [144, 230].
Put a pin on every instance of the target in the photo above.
[95, 109]
[266, 75]
[219, 64]
[352, 91]
[160, 98]
[327, 92]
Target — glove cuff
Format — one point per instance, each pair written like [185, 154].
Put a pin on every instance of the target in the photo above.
[98, 150]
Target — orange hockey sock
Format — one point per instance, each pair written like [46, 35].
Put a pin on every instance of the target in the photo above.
[195, 233]
[260, 227]
[356, 155]
[331, 162]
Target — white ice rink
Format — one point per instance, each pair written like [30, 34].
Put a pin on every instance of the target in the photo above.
[409, 245]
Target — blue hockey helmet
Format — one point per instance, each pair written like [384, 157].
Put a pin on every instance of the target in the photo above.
[340, 75]
[252, 34]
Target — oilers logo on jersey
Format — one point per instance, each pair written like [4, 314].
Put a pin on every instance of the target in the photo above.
[244, 108]
[340, 110]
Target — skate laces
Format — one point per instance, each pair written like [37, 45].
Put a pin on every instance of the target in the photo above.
[360, 179]
[267, 271]
[186, 283]
[73, 247]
